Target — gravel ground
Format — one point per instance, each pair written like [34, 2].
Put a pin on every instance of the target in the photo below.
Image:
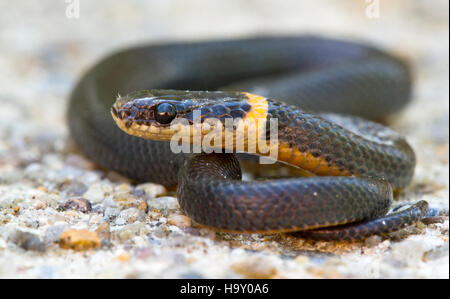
[61, 216]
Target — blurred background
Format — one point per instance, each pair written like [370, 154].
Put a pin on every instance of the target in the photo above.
[46, 45]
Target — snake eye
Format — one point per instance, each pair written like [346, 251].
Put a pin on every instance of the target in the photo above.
[165, 113]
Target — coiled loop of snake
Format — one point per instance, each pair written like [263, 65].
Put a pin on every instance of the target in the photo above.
[358, 161]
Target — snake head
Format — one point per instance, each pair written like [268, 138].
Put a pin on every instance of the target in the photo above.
[150, 113]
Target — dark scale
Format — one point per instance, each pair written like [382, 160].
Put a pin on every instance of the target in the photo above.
[315, 135]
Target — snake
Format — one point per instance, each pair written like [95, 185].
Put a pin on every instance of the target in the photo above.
[325, 96]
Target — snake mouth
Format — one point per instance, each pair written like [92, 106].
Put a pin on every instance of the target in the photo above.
[131, 125]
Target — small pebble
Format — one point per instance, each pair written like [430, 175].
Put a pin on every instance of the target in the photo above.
[16, 210]
[138, 192]
[79, 240]
[256, 268]
[74, 189]
[40, 205]
[129, 216]
[131, 202]
[98, 209]
[109, 202]
[78, 204]
[161, 231]
[53, 232]
[111, 214]
[26, 240]
[103, 230]
[163, 203]
[179, 220]
[152, 190]
[98, 191]
[155, 215]
[129, 231]
[122, 190]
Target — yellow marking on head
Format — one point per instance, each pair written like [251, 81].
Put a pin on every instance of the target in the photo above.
[248, 125]
[255, 118]
[259, 106]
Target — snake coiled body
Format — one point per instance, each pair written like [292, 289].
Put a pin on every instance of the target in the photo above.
[359, 162]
